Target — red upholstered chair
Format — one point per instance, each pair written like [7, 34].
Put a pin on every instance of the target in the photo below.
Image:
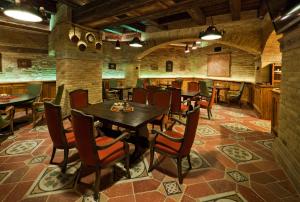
[174, 144]
[161, 99]
[207, 103]
[139, 95]
[79, 98]
[177, 107]
[177, 84]
[150, 93]
[100, 152]
[61, 138]
[193, 86]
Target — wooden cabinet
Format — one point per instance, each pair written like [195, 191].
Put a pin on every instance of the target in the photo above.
[276, 74]
[275, 111]
[262, 101]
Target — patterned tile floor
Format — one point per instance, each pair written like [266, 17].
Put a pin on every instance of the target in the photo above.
[231, 161]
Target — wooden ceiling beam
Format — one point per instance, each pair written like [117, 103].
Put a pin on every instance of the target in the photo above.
[96, 10]
[48, 5]
[235, 8]
[197, 15]
[262, 10]
[179, 7]
[136, 27]
[157, 25]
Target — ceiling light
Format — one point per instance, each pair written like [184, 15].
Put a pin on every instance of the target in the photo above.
[23, 13]
[211, 33]
[187, 50]
[194, 47]
[136, 42]
[118, 45]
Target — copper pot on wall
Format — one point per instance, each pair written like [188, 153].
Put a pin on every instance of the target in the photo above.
[81, 45]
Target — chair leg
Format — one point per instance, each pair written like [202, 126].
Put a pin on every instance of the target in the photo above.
[97, 184]
[12, 127]
[151, 158]
[179, 169]
[161, 126]
[65, 162]
[127, 162]
[78, 176]
[208, 113]
[189, 161]
[52, 155]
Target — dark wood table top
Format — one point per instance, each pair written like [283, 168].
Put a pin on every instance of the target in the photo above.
[141, 115]
[121, 88]
[18, 99]
[189, 94]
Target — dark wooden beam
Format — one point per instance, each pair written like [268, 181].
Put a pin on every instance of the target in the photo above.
[197, 15]
[70, 3]
[155, 24]
[49, 5]
[262, 10]
[179, 7]
[22, 50]
[99, 10]
[136, 27]
[27, 27]
[235, 7]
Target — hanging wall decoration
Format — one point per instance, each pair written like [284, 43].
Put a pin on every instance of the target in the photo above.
[169, 66]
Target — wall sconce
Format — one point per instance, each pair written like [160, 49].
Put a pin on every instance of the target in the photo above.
[98, 45]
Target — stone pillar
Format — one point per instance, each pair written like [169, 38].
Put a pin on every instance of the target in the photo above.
[287, 144]
[132, 71]
[74, 68]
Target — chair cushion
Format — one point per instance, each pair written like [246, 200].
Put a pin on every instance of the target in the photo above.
[166, 145]
[70, 138]
[111, 153]
[203, 103]
[184, 108]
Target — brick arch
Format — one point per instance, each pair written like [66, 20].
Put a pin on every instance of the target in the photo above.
[149, 49]
[271, 50]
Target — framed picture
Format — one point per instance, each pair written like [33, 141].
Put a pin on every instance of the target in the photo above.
[218, 65]
[112, 66]
[24, 63]
[169, 66]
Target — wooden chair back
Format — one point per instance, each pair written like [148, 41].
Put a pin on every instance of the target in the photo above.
[79, 98]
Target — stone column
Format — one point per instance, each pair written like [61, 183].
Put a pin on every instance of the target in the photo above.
[132, 71]
[287, 144]
[74, 68]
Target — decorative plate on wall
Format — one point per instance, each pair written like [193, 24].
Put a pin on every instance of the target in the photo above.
[90, 37]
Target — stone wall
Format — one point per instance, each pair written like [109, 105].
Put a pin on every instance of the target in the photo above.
[194, 64]
[287, 144]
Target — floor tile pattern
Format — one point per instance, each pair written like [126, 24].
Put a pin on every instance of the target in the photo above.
[172, 187]
[237, 127]
[238, 153]
[237, 176]
[235, 165]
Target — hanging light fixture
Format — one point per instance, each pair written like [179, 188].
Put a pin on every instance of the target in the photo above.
[136, 42]
[23, 13]
[194, 47]
[211, 33]
[73, 36]
[187, 50]
[118, 45]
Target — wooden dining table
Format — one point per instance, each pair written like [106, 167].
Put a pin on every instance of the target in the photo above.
[16, 100]
[135, 121]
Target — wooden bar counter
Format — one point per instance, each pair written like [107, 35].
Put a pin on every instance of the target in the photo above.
[275, 111]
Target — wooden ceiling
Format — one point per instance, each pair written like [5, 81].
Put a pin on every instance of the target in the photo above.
[123, 16]
[136, 15]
